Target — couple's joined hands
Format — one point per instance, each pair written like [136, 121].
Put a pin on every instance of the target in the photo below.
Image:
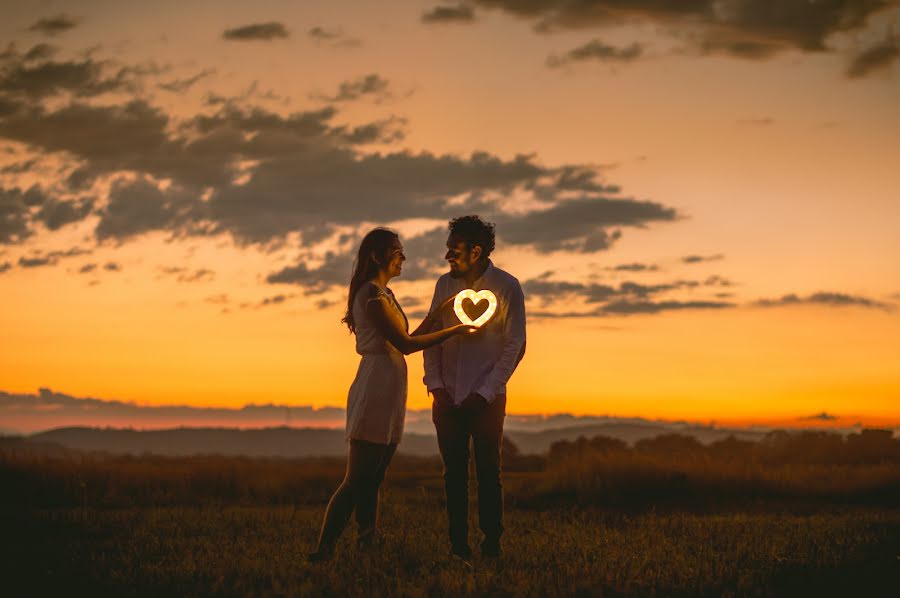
[474, 400]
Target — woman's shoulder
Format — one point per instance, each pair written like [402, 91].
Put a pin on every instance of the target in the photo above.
[369, 290]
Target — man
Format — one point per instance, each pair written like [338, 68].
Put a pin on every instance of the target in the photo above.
[467, 377]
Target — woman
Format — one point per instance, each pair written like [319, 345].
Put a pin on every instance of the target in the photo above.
[376, 403]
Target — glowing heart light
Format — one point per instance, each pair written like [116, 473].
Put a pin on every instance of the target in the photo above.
[475, 298]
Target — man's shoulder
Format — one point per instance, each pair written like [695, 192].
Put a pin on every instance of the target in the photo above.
[506, 278]
[442, 280]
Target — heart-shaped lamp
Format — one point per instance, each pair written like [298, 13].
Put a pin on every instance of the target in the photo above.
[476, 298]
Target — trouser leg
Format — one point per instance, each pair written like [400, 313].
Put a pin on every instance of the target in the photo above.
[453, 440]
[367, 506]
[487, 436]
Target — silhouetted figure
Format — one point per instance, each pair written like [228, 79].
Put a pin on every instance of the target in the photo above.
[467, 377]
[376, 403]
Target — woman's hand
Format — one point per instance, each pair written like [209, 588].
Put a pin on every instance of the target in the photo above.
[465, 329]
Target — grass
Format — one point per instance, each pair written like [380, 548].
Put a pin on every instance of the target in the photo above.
[259, 551]
[591, 519]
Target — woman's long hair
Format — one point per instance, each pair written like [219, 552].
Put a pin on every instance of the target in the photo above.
[376, 243]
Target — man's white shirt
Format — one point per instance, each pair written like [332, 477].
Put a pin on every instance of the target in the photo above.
[484, 361]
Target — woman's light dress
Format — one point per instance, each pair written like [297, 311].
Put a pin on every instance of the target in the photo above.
[376, 403]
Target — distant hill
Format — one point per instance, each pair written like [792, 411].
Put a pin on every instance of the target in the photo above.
[285, 441]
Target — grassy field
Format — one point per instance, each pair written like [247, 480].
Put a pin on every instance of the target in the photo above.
[148, 526]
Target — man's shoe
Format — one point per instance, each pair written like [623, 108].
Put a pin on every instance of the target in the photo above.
[491, 548]
[463, 553]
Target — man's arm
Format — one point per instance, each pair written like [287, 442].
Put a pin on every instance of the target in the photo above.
[513, 346]
[432, 355]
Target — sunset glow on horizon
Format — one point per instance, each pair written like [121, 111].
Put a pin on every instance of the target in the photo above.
[702, 211]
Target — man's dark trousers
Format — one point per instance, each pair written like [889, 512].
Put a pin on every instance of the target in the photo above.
[484, 424]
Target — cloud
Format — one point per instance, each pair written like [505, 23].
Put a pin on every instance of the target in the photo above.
[87, 268]
[460, 13]
[48, 409]
[825, 298]
[257, 31]
[139, 206]
[50, 258]
[756, 122]
[55, 214]
[627, 307]
[749, 29]
[875, 58]
[21, 77]
[257, 176]
[634, 267]
[14, 213]
[334, 38]
[596, 50]
[112, 267]
[367, 85]
[54, 25]
[696, 259]
[183, 85]
[5, 266]
[183, 274]
[627, 298]
[823, 416]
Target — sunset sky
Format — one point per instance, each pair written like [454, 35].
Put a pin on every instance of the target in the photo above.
[699, 198]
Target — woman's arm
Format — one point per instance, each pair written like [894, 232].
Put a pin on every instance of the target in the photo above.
[432, 320]
[389, 323]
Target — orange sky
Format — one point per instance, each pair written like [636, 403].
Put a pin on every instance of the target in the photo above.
[782, 168]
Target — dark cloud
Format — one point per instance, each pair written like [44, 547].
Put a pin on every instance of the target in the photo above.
[21, 77]
[257, 31]
[756, 122]
[596, 50]
[335, 270]
[40, 52]
[274, 300]
[183, 274]
[54, 25]
[55, 214]
[139, 206]
[50, 258]
[459, 13]
[696, 259]
[751, 29]
[626, 307]
[305, 174]
[825, 298]
[625, 299]
[183, 85]
[367, 85]
[875, 58]
[634, 267]
[333, 37]
[87, 268]
[580, 224]
[112, 267]
[14, 214]
[5, 266]
[823, 416]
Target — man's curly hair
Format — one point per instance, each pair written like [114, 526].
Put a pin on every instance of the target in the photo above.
[474, 231]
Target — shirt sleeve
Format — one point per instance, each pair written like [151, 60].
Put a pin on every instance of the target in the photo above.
[513, 341]
[432, 355]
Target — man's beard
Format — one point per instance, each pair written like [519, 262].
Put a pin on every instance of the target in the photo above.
[456, 273]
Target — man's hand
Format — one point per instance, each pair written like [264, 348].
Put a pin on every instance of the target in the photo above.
[441, 396]
[473, 401]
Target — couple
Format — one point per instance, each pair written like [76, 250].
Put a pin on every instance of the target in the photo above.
[466, 370]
